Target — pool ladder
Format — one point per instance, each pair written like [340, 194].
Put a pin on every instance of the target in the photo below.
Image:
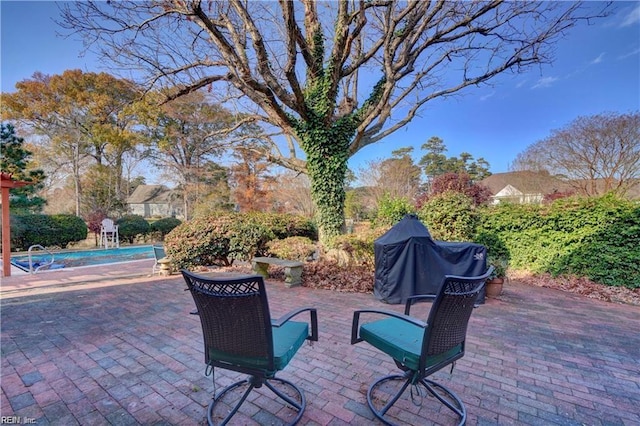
[41, 265]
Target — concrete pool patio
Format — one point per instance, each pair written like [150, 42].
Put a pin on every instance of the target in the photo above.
[99, 347]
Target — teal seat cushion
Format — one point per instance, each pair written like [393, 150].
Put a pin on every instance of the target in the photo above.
[402, 341]
[287, 339]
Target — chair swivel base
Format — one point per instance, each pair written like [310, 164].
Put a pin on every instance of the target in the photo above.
[253, 383]
[446, 396]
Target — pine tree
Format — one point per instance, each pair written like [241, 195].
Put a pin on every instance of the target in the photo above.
[15, 159]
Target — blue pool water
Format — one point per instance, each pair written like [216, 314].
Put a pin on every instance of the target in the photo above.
[90, 257]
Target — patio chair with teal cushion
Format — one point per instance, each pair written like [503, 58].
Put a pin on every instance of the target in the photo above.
[239, 335]
[420, 348]
[158, 253]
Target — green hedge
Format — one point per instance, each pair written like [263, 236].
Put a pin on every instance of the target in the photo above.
[450, 216]
[284, 225]
[292, 248]
[162, 227]
[598, 238]
[391, 210]
[46, 230]
[225, 237]
[131, 227]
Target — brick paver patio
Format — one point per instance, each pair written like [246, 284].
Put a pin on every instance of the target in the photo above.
[131, 354]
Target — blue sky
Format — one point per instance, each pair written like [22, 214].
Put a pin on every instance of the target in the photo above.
[597, 69]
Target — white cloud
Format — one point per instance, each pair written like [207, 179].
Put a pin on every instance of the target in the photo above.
[520, 84]
[632, 18]
[487, 96]
[598, 59]
[545, 82]
[626, 55]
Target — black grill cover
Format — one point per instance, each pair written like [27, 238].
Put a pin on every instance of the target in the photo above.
[409, 262]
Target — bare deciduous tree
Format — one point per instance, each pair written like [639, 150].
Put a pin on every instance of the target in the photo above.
[333, 77]
[596, 154]
[396, 177]
[291, 193]
[185, 142]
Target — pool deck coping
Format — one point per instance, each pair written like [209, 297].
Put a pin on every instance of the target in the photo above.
[88, 276]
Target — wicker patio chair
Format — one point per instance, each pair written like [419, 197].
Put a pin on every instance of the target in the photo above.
[240, 335]
[421, 348]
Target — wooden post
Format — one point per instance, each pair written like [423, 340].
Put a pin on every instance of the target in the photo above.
[6, 234]
[7, 184]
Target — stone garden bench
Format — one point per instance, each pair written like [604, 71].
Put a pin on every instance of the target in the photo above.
[292, 269]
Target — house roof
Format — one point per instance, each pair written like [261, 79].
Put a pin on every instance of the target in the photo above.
[154, 194]
[526, 182]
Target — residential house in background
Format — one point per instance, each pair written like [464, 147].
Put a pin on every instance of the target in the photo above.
[524, 187]
[155, 201]
[532, 187]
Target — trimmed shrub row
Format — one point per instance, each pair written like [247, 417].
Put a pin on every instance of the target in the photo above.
[47, 230]
[597, 238]
[132, 227]
[62, 229]
[222, 238]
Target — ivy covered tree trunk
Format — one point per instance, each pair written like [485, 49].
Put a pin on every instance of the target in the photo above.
[327, 166]
[325, 139]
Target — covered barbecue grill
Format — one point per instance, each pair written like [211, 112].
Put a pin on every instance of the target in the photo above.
[409, 262]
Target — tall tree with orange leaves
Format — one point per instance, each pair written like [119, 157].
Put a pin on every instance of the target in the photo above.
[80, 119]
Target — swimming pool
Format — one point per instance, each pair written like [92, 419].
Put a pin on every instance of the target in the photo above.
[68, 259]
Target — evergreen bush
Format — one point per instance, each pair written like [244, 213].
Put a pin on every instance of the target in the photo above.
[70, 228]
[498, 254]
[201, 241]
[292, 248]
[45, 230]
[450, 216]
[391, 210]
[596, 237]
[18, 228]
[131, 227]
[223, 237]
[163, 226]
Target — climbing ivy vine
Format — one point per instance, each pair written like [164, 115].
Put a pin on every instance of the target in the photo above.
[325, 140]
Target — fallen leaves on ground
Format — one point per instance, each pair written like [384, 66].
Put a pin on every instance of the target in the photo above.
[359, 279]
[582, 286]
[328, 275]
